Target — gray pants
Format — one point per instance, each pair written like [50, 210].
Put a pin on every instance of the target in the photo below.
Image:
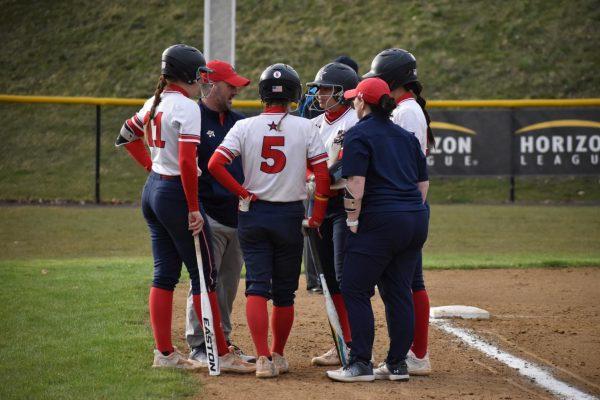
[228, 262]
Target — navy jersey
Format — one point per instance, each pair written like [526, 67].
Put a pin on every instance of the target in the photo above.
[390, 159]
[219, 203]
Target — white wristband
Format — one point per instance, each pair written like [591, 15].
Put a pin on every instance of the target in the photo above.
[351, 223]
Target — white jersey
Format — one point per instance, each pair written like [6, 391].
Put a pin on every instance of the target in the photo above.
[274, 159]
[332, 132]
[176, 119]
[409, 116]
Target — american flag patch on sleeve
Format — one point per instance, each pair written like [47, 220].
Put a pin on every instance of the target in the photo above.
[277, 89]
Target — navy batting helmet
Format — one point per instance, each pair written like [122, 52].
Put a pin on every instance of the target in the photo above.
[395, 66]
[279, 82]
[183, 62]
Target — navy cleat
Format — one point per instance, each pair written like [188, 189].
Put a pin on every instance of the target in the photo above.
[392, 372]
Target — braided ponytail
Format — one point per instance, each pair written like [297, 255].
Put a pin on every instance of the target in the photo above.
[162, 83]
[416, 88]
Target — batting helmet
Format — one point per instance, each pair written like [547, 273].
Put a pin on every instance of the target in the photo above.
[395, 66]
[183, 62]
[336, 74]
[280, 82]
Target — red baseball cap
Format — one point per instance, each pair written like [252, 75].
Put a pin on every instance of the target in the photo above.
[223, 71]
[370, 90]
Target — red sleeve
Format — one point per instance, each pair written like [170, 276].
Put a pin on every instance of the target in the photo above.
[322, 188]
[138, 151]
[189, 173]
[216, 167]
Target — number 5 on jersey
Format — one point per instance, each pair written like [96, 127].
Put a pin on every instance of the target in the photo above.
[269, 153]
[153, 134]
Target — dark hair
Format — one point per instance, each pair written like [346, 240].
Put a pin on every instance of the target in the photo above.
[384, 108]
[162, 83]
[416, 88]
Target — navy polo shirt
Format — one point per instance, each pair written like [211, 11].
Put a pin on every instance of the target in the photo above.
[218, 202]
[390, 159]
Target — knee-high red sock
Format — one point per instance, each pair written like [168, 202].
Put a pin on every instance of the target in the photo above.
[340, 307]
[161, 311]
[421, 302]
[258, 323]
[282, 320]
[219, 335]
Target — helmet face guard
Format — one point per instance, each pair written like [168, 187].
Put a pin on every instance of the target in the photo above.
[337, 94]
[337, 76]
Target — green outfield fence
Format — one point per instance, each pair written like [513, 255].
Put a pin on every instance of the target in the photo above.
[100, 102]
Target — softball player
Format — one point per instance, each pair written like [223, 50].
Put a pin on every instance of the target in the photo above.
[171, 122]
[399, 69]
[331, 81]
[274, 147]
[384, 200]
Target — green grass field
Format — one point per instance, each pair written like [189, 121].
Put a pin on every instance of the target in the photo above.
[74, 316]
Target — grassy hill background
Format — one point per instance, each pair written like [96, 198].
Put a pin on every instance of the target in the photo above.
[465, 50]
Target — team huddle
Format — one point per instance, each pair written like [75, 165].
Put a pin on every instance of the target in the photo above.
[225, 191]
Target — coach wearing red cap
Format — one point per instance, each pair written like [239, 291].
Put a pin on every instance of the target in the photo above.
[220, 205]
[384, 201]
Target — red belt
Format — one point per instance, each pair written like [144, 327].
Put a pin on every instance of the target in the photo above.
[168, 177]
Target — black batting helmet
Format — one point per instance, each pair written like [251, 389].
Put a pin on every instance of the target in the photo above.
[395, 66]
[336, 74]
[280, 82]
[183, 62]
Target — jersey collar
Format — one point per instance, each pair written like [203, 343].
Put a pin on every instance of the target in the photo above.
[405, 96]
[274, 110]
[331, 117]
[172, 88]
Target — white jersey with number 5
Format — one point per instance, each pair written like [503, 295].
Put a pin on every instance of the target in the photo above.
[176, 119]
[274, 160]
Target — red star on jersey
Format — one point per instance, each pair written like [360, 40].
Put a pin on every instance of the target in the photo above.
[272, 126]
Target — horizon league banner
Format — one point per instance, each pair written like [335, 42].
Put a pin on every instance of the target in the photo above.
[544, 141]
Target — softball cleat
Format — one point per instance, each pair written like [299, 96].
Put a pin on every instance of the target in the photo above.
[330, 358]
[418, 366]
[280, 363]
[232, 362]
[397, 372]
[266, 368]
[358, 371]
[174, 360]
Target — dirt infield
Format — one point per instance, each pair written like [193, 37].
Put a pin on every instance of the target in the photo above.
[547, 316]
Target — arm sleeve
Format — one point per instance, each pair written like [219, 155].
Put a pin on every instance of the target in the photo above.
[356, 154]
[315, 148]
[137, 150]
[216, 167]
[133, 128]
[189, 173]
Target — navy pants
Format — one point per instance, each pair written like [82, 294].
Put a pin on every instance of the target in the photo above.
[330, 249]
[384, 251]
[271, 240]
[418, 280]
[165, 209]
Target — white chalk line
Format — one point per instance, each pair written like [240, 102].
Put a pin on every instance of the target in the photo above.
[525, 368]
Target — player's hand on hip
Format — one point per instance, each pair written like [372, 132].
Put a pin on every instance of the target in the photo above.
[353, 229]
[312, 222]
[195, 222]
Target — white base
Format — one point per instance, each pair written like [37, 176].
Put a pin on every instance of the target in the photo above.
[464, 312]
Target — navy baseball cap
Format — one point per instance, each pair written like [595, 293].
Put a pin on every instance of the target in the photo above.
[348, 61]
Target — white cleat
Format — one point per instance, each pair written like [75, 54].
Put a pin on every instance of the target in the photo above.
[233, 362]
[418, 366]
[280, 363]
[354, 372]
[328, 359]
[175, 360]
[265, 368]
